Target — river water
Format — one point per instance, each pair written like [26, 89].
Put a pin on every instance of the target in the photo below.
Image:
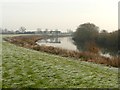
[63, 42]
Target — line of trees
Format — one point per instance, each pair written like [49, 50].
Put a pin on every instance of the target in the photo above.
[87, 36]
[21, 30]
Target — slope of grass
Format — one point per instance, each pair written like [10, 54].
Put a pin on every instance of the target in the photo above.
[28, 68]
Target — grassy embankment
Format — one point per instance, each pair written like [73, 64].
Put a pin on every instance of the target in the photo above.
[30, 42]
[29, 68]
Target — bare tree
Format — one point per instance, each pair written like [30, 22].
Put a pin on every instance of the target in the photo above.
[22, 29]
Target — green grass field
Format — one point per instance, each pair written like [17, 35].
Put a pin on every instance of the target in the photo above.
[23, 67]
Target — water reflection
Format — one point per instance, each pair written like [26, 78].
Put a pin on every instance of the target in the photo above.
[67, 43]
[102, 51]
[62, 42]
[53, 40]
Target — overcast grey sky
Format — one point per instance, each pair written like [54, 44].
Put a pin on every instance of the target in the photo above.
[59, 14]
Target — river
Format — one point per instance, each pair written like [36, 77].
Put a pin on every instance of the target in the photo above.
[63, 42]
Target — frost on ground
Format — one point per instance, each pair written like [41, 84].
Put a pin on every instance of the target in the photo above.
[28, 68]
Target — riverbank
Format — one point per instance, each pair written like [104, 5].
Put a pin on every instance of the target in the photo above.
[30, 42]
[24, 67]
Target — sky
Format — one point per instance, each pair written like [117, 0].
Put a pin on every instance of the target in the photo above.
[58, 14]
